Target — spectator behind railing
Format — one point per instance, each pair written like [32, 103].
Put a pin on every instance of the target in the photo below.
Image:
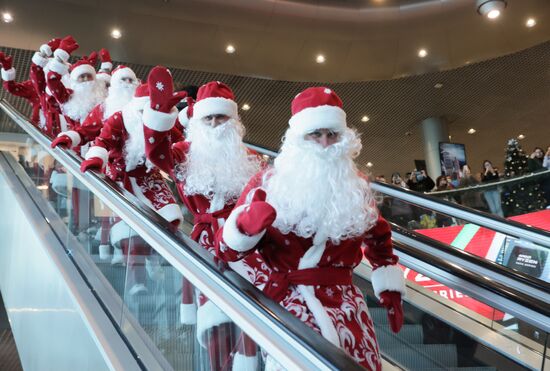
[470, 198]
[419, 181]
[492, 195]
[546, 160]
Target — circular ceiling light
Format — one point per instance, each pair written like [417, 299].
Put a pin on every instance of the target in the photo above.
[7, 17]
[245, 107]
[422, 53]
[370, 164]
[116, 34]
[471, 131]
[438, 85]
[230, 49]
[531, 22]
[521, 136]
[490, 8]
[365, 119]
[320, 58]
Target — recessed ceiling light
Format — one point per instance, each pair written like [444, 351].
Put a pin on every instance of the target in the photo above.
[531, 22]
[7, 17]
[230, 49]
[245, 107]
[365, 118]
[493, 14]
[422, 53]
[320, 58]
[471, 131]
[370, 164]
[438, 85]
[491, 9]
[521, 136]
[116, 34]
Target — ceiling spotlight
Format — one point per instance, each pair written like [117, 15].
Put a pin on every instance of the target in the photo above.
[422, 53]
[116, 34]
[245, 107]
[490, 8]
[370, 164]
[320, 58]
[7, 17]
[471, 131]
[438, 85]
[521, 136]
[365, 118]
[531, 22]
[230, 49]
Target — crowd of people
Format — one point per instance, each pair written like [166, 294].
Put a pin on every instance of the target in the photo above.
[295, 229]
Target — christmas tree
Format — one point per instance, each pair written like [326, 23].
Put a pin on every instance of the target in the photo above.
[523, 197]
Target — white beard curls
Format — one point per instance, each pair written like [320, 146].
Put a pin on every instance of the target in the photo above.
[319, 190]
[134, 148]
[218, 163]
[86, 95]
[119, 95]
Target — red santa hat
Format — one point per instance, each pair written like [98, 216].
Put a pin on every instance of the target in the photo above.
[122, 72]
[317, 108]
[141, 95]
[84, 65]
[215, 98]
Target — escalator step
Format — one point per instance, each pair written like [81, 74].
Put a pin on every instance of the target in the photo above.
[379, 316]
[409, 334]
[424, 356]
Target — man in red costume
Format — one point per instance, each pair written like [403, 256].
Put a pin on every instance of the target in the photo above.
[308, 217]
[211, 168]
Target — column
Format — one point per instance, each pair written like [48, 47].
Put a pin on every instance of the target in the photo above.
[434, 130]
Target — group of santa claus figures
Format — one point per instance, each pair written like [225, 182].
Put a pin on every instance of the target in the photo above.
[296, 229]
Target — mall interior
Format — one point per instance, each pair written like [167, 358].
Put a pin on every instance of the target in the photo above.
[275, 185]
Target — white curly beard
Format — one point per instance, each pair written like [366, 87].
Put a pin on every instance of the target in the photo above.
[320, 189]
[218, 163]
[134, 148]
[119, 95]
[85, 96]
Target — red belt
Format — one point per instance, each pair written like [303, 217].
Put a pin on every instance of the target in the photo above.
[278, 283]
[207, 222]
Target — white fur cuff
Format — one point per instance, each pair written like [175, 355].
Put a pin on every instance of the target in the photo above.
[182, 117]
[233, 238]
[188, 314]
[104, 252]
[121, 231]
[57, 66]
[106, 66]
[97, 151]
[209, 316]
[321, 117]
[61, 54]
[388, 278]
[39, 60]
[159, 121]
[8, 75]
[45, 49]
[242, 362]
[75, 137]
[171, 212]
[215, 106]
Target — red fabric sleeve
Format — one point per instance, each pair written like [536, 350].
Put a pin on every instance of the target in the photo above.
[379, 248]
[91, 126]
[59, 91]
[20, 89]
[110, 136]
[38, 78]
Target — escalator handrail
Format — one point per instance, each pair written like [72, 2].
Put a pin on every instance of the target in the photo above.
[505, 226]
[264, 320]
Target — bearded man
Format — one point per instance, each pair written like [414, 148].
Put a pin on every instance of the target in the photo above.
[211, 168]
[120, 146]
[308, 217]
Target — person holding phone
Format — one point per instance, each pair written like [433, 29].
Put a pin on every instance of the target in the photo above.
[419, 181]
[491, 195]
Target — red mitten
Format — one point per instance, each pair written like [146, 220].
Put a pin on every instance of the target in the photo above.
[256, 217]
[48, 48]
[104, 55]
[391, 300]
[179, 150]
[94, 163]
[6, 61]
[66, 47]
[63, 140]
[161, 90]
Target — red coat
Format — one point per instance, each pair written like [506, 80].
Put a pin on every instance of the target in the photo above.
[90, 127]
[311, 277]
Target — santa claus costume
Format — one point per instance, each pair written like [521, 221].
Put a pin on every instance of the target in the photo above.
[211, 168]
[308, 216]
[103, 75]
[121, 148]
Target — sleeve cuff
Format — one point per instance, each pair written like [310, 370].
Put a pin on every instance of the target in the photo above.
[182, 117]
[235, 239]
[388, 278]
[159, 121]
[61, 54]
[75, 137]
[39, 60]
[106, 66]
[58, 67]
[97, 151]
[8, 75]
[46, 49]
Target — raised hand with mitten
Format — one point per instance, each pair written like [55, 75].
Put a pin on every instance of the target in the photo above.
[67, 46]
[106, 61]
[391, 300]
[161, 90]
[256, 217]
[6, 61]
[47, 49]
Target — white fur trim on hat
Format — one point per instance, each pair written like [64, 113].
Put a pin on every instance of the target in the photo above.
[75, 137]
[106, 66]
[39, 60]
[8, 75]
[182, 117]
[171, 212]
[141, 101]
[235, 239]
[208, 316]
[320, 117]
[159, 121]
[103, 76]
[121, 231]
[388, 278]
[188, 314]
[61, 54]
[97, 151]
[83, 68]
[58, 67]
[215, 106]
[45, 49]
[122, 73]
[242, 362]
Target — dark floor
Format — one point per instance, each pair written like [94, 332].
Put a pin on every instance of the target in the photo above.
[9, 358]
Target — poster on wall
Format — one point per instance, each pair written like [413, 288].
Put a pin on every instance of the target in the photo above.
[452, 157]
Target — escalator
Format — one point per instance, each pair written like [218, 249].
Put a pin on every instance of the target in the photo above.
[438, 334]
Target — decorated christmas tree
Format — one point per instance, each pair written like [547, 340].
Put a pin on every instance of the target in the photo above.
[525, 196]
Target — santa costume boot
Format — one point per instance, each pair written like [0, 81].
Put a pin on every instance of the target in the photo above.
[188, 308]
[220, 341]
[137, 250]
[104, 247]
[245, 359]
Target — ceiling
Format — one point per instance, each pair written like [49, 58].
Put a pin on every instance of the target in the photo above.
[362, 40]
